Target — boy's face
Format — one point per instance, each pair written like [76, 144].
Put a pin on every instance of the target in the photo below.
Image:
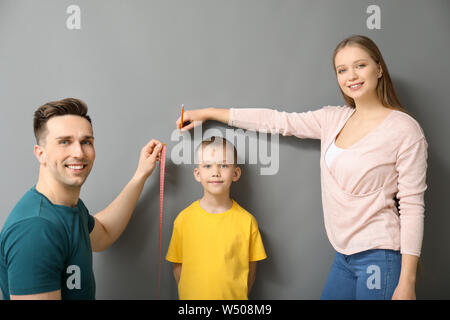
[214, 172]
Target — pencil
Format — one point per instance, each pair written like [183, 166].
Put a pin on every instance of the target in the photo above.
[181, 120]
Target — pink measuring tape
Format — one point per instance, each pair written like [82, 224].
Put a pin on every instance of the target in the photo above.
[162, 165]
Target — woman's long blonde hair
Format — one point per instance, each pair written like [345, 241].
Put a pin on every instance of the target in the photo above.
[385, 87]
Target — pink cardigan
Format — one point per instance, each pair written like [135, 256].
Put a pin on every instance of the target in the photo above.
[358, 189]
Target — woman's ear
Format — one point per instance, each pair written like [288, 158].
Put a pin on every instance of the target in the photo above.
[380, 71]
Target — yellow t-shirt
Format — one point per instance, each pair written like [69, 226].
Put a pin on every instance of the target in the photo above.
[215, 250]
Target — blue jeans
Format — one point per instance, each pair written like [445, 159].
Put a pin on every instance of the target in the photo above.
[367, 275]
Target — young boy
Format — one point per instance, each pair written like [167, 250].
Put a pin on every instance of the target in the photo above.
[215, 243]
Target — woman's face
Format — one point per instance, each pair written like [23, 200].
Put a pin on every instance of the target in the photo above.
[357, 73]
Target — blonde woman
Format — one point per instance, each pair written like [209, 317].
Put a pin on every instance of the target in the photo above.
[373, 170]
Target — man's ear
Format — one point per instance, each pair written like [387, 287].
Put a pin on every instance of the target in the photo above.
[197, 174]
[237, 173]
[40, 154]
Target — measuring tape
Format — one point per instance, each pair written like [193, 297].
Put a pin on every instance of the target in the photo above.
[162, 166]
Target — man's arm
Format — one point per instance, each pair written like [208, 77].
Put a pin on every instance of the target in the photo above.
[251, 275]
[177, 271]
[53, 295]
[111, 221]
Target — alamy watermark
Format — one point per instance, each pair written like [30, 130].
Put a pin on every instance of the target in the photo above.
[252, 147]
[374, 280]
[374, 20]
[73, 21]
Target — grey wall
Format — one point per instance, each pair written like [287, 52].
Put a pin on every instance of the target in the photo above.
[135, 62]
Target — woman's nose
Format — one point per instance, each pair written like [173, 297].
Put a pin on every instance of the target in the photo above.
[353, 74]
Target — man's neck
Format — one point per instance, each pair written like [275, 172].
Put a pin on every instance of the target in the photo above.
[216, 203]
[58, 194]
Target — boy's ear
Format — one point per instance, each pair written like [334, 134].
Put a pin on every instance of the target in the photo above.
[237, 173]
[197, 174]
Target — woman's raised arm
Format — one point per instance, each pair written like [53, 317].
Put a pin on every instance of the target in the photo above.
[302, 125]
[193, 118]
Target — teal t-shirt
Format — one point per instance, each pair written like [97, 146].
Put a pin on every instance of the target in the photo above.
[46, 247]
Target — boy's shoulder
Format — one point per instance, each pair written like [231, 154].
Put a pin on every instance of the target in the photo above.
[241, 210]
[185, 212]
[243, 213]
[194, 207]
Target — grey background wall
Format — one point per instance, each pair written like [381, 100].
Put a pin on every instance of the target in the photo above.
[135, 62]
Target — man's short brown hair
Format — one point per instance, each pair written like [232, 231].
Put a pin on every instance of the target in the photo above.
[68, 106]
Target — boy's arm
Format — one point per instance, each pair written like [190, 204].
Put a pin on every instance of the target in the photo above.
[251, 275]
[177, 271]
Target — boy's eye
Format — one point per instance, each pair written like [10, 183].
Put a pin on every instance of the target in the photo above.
[224, 166]
[63, 141]
[207, 166]
[87, 142]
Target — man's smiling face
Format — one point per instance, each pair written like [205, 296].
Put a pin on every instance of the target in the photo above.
[67, 153]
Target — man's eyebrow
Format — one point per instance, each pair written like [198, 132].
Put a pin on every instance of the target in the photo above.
[353, 62]
[63, 137]
[71, 137]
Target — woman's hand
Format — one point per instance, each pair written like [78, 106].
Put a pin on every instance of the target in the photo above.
[405, 291]
[193, 118]
[406, 288]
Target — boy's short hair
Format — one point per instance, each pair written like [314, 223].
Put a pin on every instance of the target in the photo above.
[68, 106]
[216, 141]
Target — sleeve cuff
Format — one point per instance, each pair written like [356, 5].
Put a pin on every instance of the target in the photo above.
[231, 117]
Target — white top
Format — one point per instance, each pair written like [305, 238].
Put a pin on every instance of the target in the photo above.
[332, 152]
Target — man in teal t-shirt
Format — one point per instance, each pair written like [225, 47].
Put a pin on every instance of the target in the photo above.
[47, 241]
[47, 248]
